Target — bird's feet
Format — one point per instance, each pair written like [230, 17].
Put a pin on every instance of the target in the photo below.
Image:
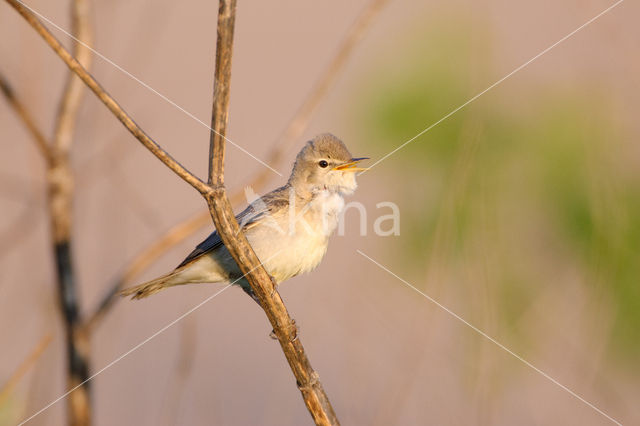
[296, 330]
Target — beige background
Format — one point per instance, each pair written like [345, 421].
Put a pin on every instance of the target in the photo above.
[385, 354]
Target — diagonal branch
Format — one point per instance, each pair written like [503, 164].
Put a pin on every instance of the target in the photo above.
[261, 283]
[108, 100]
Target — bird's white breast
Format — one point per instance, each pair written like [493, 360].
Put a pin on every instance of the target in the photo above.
[301, 247]
[326, 206]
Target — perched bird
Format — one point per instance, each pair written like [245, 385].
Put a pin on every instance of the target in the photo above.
[288, 228]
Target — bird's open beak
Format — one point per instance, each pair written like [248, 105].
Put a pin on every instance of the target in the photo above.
[350, 166]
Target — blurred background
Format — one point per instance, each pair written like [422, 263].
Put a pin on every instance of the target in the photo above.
[520, 213]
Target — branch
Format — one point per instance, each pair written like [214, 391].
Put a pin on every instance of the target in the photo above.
[261, 283]
[41, 141]
[74, 88]
[60, 191]
[106, 98]
[293, 131]
[284, 328]
[221, 89]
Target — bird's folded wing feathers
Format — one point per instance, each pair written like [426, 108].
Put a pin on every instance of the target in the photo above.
[247, 218]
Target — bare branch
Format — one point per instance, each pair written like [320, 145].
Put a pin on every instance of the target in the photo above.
[60, 191]
[261, 283]
[110, 103]
[221, 89]
[41, 141]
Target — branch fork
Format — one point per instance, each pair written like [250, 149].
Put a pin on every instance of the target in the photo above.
[215, 195]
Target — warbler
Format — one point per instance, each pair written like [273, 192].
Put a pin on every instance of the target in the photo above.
[288, 228]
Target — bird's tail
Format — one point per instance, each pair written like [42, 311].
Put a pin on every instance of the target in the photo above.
[154, 286]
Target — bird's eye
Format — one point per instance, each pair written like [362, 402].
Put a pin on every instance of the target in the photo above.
[323, 164]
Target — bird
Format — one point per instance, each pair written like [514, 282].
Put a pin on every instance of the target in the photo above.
[288, 228]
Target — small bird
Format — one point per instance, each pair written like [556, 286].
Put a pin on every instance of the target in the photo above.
[288, 228]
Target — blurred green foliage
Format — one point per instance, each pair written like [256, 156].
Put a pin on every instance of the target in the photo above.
[528, 180]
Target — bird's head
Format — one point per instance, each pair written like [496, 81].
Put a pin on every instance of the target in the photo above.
[325, 163]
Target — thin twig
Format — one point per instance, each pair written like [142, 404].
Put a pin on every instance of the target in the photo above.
[74, 88]
[261, 283]
[292, 133]
[108, 100]
[41, 141]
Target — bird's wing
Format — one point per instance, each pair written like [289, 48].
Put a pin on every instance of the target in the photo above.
[212, 242]
[247, 218]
